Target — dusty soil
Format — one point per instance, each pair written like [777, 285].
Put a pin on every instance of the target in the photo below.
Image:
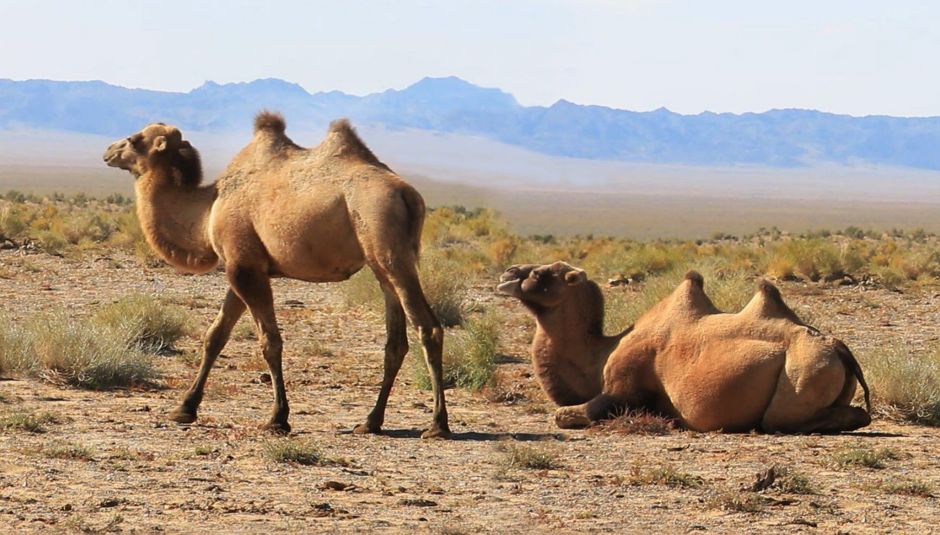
[147, 475]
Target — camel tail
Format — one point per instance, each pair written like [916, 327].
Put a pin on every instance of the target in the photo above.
[416, 210]
[851, 363]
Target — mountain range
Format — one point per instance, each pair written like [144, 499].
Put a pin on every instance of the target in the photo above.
[776, 138]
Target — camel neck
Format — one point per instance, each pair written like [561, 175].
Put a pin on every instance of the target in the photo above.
[572, 330]
[175, 222]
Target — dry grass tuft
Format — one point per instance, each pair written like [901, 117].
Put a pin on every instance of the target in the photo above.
[294, 451]
[863, 456]
[30, 422]
[667, 475]
[737, 502]
[67, 450]
[908, 487]
[520, 456]
[638, 423]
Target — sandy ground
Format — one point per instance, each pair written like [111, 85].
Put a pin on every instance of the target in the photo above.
[148, 475]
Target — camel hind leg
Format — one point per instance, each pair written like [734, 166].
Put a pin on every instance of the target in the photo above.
[403, 278]
[396, 347]
[836, 419]
[813, 394]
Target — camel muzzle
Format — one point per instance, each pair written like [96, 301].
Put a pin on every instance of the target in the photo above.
[509, 287]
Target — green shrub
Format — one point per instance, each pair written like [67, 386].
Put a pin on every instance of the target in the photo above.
[469, 354]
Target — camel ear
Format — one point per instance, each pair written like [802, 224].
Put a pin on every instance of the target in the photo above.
[159, 144]
[575, 277]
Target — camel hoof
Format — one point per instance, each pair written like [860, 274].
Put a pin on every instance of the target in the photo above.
[571, 418]
[436, 432]
[182, 415]
[367, 429]
[278, 428]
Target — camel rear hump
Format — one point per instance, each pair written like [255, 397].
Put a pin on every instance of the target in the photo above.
[767, 303]
[342, 141]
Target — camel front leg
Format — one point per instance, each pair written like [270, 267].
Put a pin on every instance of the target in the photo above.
[216, 338]
[602, 407]
[396, 347]
[254, 288]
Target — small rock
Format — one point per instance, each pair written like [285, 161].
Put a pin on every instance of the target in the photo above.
[417, 502]
[293, 303]
[333, 485]
[109, 502]
[765, 479]
[264, 378]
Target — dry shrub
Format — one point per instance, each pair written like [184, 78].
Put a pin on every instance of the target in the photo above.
[145, 321]
[363, 290]
[810, 258]
[444, 282]
[904, 384]
[64, 350]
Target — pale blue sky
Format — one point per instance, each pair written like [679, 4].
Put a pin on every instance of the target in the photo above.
[857, 57]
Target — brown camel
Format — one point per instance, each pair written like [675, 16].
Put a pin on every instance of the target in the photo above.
[280, 210]
[761, 368]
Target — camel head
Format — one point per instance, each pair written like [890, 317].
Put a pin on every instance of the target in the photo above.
[541, 287]
[156, 146]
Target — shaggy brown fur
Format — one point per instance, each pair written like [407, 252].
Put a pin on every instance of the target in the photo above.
[280, 210]
[761, 368]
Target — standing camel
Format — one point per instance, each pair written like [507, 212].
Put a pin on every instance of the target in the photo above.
[281, 210]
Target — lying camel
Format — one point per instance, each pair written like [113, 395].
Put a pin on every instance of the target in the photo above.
[761, 368]
[280, 210]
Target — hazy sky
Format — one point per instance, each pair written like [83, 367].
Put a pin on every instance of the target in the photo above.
[848, 56]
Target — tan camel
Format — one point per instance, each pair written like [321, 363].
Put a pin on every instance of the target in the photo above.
[280, 210]
[761, 368]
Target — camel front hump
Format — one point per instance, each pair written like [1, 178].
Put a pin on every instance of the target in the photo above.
[726, 385]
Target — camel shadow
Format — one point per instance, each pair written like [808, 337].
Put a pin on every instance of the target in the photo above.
[474, 436]
[871, 434]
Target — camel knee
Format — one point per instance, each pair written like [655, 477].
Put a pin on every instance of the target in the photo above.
[271, 346]
[432, 338]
